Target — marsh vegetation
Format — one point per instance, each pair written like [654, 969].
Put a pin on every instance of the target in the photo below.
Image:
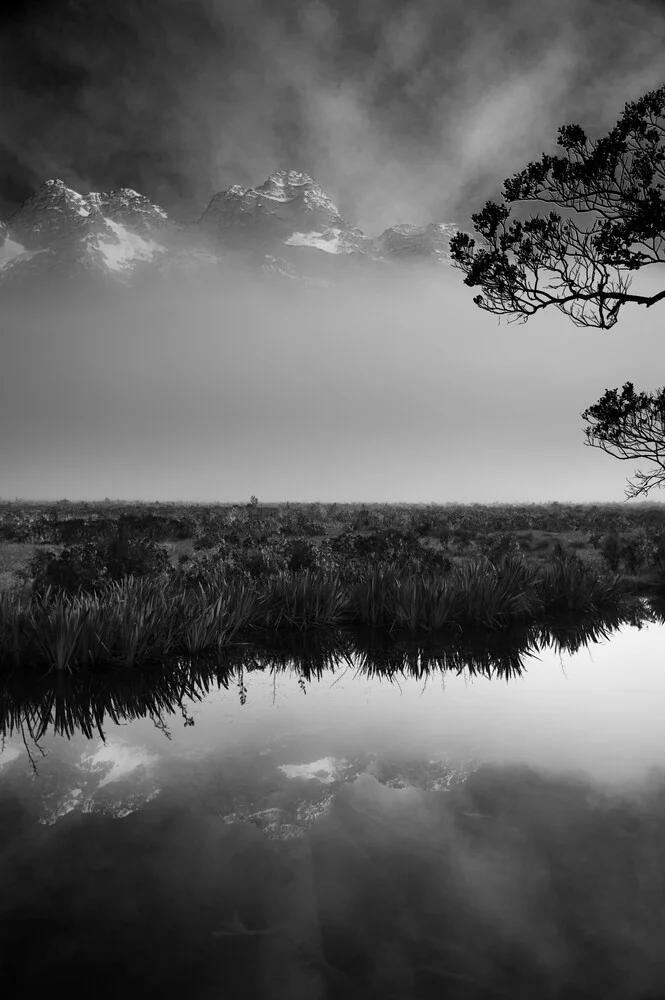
[113, 588]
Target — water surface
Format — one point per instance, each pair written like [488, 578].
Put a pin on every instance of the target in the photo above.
[347, 826]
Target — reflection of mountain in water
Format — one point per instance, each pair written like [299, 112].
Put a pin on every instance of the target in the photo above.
[315, 785]
[282, 800]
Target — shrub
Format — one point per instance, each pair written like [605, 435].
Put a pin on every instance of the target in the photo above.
[89, 565]
[657, 550]
[497, 547]
[635, 551]
[568, 584]
[79, 567]
[136, 557]
[208, 540]
[302, 555]
[610, 548]
[464, 537]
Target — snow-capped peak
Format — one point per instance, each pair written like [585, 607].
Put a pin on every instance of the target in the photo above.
[286, 226]
[287, 202]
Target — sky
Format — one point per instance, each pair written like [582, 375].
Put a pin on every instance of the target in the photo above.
[383, 391]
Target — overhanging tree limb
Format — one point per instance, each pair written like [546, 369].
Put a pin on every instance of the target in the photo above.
[613, 190]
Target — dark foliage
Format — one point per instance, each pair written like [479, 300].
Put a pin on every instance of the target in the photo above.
[613, 192]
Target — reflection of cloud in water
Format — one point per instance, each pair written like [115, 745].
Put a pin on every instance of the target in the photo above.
[324, 770]
[7, 755]
[123, 757]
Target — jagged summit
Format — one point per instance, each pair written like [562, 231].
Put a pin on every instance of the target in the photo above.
[289, 185]
[56, 207]
[287, 201]
[60, 234]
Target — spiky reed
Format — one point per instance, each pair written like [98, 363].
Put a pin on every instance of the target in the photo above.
[142, 621]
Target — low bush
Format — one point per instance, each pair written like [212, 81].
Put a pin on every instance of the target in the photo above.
[610, 548]
[88, 565]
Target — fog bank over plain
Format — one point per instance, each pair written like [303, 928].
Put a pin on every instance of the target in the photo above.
[394, 387]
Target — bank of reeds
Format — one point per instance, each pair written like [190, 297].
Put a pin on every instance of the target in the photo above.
[143, 621]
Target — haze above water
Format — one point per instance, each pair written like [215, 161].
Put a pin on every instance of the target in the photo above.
[396, 837]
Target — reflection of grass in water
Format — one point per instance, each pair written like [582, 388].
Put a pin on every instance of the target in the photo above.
[31, 705]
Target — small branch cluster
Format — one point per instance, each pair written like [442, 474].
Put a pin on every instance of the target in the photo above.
[631, 425]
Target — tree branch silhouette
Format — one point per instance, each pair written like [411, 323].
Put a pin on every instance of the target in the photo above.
[614, 193]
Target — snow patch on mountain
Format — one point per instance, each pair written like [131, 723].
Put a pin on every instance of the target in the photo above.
[127, 248]
[291, 185]
[333, 240]
[10, 250]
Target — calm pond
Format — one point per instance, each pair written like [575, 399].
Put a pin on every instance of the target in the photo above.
[481, 821]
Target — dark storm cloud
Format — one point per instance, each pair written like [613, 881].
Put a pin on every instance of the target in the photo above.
[402, 110]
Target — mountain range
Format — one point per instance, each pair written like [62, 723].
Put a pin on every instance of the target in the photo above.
[286, 228]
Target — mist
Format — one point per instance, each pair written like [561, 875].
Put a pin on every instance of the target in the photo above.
[396, 388]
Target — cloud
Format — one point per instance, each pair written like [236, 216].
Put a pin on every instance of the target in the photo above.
[401, 110]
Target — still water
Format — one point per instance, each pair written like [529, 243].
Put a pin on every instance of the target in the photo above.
[349, 830]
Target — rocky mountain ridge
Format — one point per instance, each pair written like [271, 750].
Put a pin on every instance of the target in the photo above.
[286, 228]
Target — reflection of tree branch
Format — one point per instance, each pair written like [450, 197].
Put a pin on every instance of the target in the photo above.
[32, 760]
[188, 720]
[161, 726]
